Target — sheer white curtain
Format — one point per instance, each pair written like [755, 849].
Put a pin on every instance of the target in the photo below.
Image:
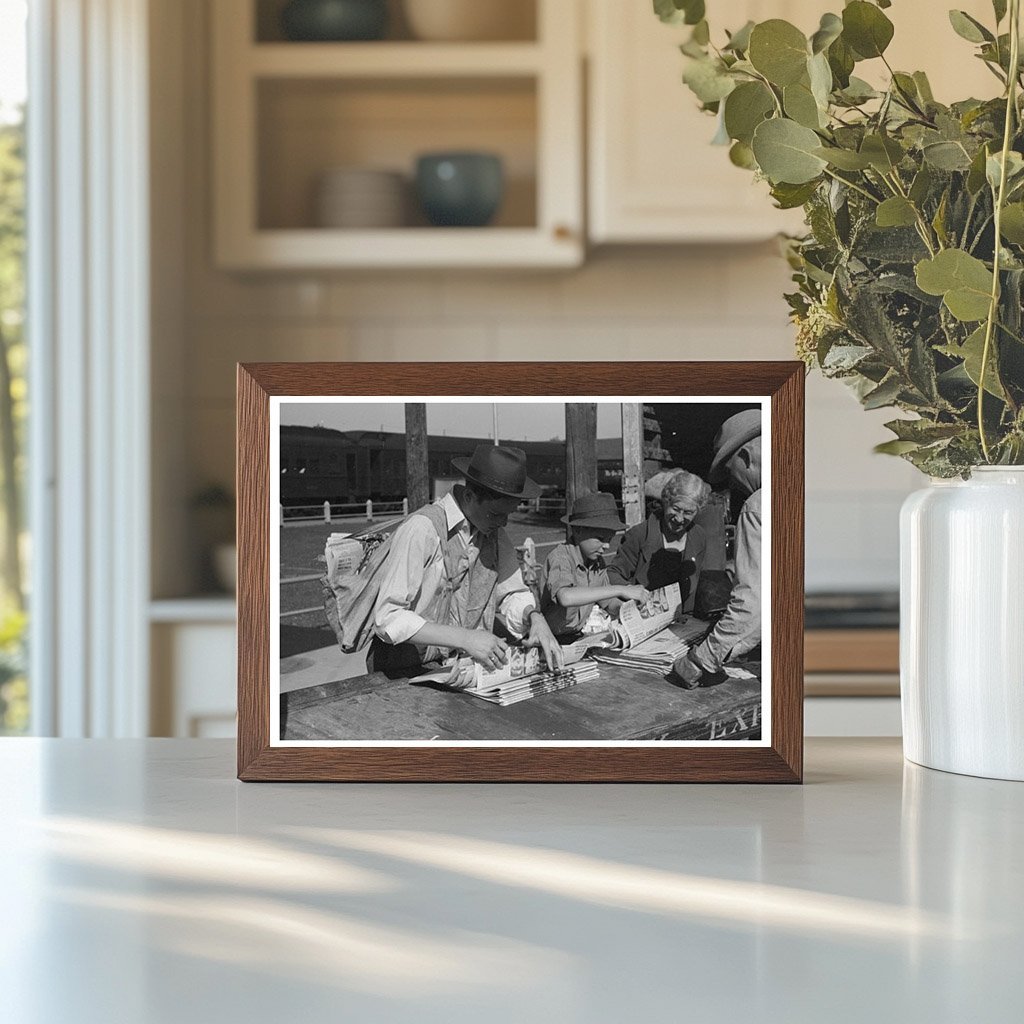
[88, 318]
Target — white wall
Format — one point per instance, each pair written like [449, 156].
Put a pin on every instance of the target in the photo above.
[721, 302]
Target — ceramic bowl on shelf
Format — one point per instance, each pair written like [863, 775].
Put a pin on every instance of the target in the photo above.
[471, 20]
[460, 189]
[361, 198]
[334, 20]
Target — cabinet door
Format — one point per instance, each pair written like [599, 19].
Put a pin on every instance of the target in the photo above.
[653, 174]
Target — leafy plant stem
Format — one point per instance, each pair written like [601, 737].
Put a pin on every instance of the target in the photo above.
[969, 217]
[1006, 330]
[922, 225]
[993, 309]
[850, 184]
[768, 85]
[977, 238]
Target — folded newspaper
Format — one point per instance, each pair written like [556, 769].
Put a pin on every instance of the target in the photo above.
[639, 639]
[523, 676]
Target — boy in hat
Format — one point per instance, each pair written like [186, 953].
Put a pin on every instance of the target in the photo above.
[440, 596]
[738, 459]
[575, 575]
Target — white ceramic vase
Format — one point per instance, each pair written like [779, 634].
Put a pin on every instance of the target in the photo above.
[962, 624]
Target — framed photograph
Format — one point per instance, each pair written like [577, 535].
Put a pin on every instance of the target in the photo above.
[520, 572]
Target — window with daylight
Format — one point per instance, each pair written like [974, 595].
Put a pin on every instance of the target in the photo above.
[14, 692]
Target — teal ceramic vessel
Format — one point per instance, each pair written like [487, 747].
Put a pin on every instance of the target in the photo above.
[460, 189]
[332, 21]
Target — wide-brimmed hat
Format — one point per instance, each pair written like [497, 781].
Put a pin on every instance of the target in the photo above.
[734, 433]
[597, 509]
[498, 469]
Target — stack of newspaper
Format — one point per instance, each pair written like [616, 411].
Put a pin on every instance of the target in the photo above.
[523, 676]
[526, 687]
[640, 639]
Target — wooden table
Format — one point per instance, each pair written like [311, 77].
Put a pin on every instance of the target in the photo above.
[621, 704]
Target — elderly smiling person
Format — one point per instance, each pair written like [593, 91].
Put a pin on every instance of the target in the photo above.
[670, 548]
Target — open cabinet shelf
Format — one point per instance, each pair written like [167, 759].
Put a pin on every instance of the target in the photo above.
[287, 114]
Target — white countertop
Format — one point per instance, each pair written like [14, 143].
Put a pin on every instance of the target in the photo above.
[144, 885]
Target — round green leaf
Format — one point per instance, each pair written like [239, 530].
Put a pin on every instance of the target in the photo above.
[971, 352]
[967, 28]
[841, 61]
[829, 30]
[746, 107]
[866, 29]
[820, 75]
[947, 156]
[800, 105]
[784, 151]
[844, 159]
[895, 212]
[883, 153]
[963, 281]
[740, 39]
[674, 12]
[1011, 225]
[742, 156]
[707, 80]
[779, 51]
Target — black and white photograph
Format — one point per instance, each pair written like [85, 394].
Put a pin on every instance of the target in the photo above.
[521, 571]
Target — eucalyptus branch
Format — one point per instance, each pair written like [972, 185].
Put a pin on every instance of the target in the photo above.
[855, 187]
[923, 228]
[1012, 334]
[993, 308]
[771, 89]
[977, 238]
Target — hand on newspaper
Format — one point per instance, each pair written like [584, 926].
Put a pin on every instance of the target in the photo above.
[485, 648]
[634, 593]
[542, 637]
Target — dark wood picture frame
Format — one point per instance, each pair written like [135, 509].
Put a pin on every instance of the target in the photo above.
[781, 761]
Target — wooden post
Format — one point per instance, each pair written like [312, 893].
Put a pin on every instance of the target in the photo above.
[580, 451]
[327, 511]
[633, 504]
[417, 486]
[369, 510]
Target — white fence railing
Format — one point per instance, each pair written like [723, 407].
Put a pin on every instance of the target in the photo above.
[327, 511]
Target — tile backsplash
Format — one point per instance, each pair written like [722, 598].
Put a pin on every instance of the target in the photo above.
[716, 302]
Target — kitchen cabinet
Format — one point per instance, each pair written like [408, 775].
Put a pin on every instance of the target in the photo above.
[653, 175]
[287, 113]
[192, 653]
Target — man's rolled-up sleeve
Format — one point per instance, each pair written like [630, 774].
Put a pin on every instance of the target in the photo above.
[739, 629]
[514, 600]
[413, 547]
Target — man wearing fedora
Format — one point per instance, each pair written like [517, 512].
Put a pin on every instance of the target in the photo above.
[451, 574]
[738, 460]
[575, 575]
